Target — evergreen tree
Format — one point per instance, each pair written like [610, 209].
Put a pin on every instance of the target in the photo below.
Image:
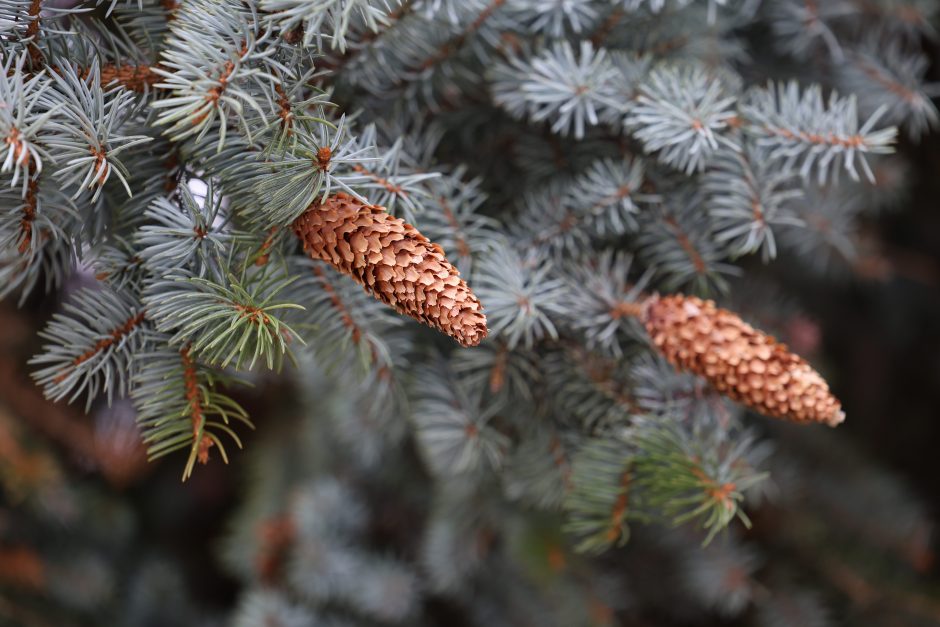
[249, 191]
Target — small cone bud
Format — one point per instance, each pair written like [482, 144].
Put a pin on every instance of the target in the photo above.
[394, 262]
[742, 363]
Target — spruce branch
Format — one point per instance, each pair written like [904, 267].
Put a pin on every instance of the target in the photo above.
[827, 241]
[911, 19]
[325, 19]
[389, 182]
[92, 347]
[36, 235]
[453, 426]
[677, 239]
[180, 406]
[599, 204]
[185, 235]
[227, 320]
[505, 374]
[539, 470]
[590, 390]
[657, 6]
[22, 121]
[34, 15]
[554, 18]
[885, 74]
[722, 577]
[452, 218]
[600, 501]
[86, 131]
[117, 263]
[324, 161]
[341, 315]
[807, 28]
[605, 299]
[198, 100]
[522, 295]
[684, 115]
[700, 477]
[798, 128]
[748, 196]
[571, 90]
[139, 78]
[44, 257]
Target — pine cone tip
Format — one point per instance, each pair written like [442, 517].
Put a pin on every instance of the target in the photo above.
[836, 419]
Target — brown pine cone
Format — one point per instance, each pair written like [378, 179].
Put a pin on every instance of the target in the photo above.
[742, 363]
[394, 262]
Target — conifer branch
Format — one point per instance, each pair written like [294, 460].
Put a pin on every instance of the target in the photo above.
[32, 33]
[91, 347]
[801, 129]
[599, 502]
[180, 407]
[455, 44]
[231, 321]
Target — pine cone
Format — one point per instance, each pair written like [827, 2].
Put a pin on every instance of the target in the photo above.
[393, 261]
[740, 362]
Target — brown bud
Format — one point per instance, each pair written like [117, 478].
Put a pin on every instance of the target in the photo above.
[394, 262]
[739, 361]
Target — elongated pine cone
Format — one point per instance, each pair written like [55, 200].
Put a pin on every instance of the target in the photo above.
[742, 363]
[394, 262]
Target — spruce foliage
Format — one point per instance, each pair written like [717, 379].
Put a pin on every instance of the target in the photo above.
[568, 157]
